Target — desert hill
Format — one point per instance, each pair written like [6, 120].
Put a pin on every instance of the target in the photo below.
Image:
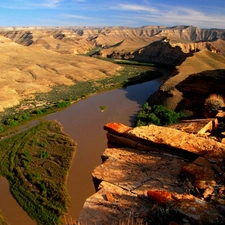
[33, 59]
[34, 69]
[117, 40]
[207, 73]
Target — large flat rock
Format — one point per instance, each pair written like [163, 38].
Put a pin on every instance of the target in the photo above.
[112, 205]
[132, 169]
[133, 182]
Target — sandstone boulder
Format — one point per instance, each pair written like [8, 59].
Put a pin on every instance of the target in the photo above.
[147, 179]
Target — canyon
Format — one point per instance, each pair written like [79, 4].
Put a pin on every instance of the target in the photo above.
[36, 60]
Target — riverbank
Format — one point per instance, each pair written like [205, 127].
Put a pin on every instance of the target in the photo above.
[62, 96]
[36, 164]
[76, 120]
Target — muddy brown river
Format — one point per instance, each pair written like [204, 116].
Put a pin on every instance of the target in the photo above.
[83, 122]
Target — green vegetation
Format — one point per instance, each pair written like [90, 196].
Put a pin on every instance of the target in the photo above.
[2, 221]
[157, 115]
[63, 104]
[102, 107]
[36, 164]
[62, 96]
[13, 121]
[94, 51]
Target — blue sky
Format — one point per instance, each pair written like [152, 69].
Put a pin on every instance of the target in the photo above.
[132, 13]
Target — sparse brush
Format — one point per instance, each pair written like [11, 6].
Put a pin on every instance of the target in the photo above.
[213, 104]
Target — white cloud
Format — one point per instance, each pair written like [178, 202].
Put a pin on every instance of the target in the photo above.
[25, 4]
[170, 16]
[133, 7]
[52, 3]
[72, 16]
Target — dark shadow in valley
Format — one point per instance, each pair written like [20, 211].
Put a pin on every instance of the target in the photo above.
[142, 91]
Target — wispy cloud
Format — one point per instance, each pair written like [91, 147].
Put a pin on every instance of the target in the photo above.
[25, 4]
[170, 16]
[45, 4]
[120, 13]
[133, 7]
[72, 16]
[52, 3]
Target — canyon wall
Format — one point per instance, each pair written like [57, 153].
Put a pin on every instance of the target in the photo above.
[143, 43]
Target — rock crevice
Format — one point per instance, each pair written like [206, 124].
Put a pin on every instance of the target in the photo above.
[141, 171]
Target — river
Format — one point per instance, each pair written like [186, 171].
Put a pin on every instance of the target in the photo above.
[83, 122]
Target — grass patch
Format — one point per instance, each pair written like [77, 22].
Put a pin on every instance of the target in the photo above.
[36, 164]
[62, 96]
[2, 221]
[94, 51]
[102, 107]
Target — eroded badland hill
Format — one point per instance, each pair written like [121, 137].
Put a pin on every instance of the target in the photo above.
[33, 60]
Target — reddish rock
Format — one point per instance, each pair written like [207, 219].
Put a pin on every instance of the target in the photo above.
[160, 197]
[199, 172]
[109, 197]
[145, 160]
[116, 127]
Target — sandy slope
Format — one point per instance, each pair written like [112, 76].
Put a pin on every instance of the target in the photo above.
[199, 62]
[27, 70]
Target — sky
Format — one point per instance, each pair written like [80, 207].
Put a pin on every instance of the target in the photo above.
[98, 13]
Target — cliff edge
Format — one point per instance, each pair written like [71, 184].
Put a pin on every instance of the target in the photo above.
[145, 170]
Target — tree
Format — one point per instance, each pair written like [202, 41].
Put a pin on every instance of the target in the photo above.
[157, 114]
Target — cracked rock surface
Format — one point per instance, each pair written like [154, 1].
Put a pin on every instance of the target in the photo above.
[150, 168]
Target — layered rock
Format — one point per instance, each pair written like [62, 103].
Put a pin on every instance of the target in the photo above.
[197, 88]
[124, 42]
[197, 77]
[153, 167]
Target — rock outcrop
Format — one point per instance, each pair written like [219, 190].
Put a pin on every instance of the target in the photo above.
[143, 43]
[198, 77]
[198, 87]
[151, 170]
[161, 52]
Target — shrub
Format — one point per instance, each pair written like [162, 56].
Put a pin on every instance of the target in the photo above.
[44, 154]
[13, 123]
[157, 115]
[1, 129]
[63, 104]
[25, 116]
[37, 112]
[103, 107]
[213, 104]
[42, 144]
[28, 156]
